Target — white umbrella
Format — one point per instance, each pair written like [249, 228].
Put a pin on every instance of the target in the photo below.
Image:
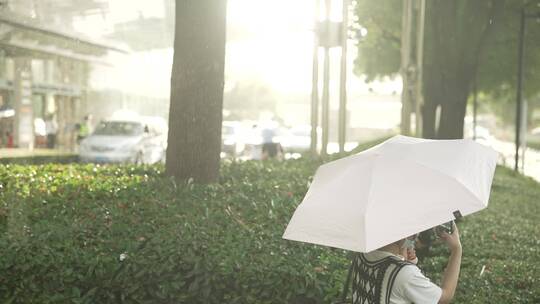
[396, 189]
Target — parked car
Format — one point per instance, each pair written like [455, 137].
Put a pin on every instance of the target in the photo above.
[141, 140]
[297, 139]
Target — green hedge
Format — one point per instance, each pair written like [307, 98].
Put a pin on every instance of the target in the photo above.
[40, 159]
[63, 229]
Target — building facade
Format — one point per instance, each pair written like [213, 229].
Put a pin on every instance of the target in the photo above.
[50, 72]
[44, 75]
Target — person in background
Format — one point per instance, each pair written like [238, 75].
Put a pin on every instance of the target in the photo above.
[51, 128]
[40, 133]
[10, 143]
[83, 129]
[270, 148]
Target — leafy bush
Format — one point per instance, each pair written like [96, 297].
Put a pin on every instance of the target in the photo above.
[128, 234]
[60, 158]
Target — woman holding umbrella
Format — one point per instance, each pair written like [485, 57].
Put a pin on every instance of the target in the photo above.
[390, 274]
[370, 202]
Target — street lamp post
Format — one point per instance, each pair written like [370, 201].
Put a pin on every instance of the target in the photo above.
[326, 80]
[519, 88]
[419, 95]
[343, 78]
[315, 84]
[475, 105]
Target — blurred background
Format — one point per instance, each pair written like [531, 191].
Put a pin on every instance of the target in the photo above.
[92, 77]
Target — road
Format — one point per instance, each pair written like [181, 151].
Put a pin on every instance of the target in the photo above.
[507, 151]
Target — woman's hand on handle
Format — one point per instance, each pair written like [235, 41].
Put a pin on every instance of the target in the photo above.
[452, 240]
[451, 273]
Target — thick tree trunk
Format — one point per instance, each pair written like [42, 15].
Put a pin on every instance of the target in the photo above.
[455, 34]
[195, 114]
[451, 95]
[432, 99]
[452, 113]
[428, 120]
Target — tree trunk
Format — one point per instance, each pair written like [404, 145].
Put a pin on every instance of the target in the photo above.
[428, 120]
[195, 114]
[455, 34]
[450, 93]
[432, 99]
[452, 114]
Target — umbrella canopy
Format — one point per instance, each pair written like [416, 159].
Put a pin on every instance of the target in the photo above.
[396, 189]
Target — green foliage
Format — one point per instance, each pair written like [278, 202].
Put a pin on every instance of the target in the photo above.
[379, 50]
[63, 229]
[498, 67]
[59, 158]
[504, 238]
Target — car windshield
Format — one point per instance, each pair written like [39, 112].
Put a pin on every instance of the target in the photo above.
[119, 128]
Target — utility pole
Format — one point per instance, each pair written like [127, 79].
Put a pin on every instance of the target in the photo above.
[343, 78]
[419, 98]
[524, 108]
[406, 102]
[329, 35]
[326, 80]
[315, 83]
[475, 106]
[520, 107]
[519, 87]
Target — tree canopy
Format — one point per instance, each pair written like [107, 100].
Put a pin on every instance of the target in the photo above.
[461, 38]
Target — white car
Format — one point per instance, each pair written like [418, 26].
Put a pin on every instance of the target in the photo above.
[231, 139]
[297, 139]
[142, 141]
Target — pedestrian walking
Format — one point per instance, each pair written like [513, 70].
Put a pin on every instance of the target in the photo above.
[83, 128]
[271, 149]
[51, 129]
